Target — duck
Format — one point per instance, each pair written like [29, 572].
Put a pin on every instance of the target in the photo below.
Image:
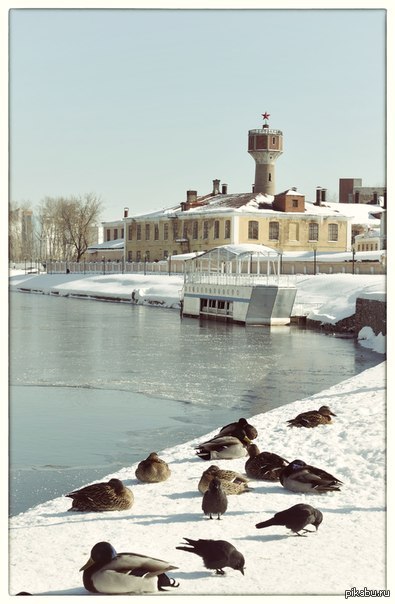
[152, 469]
[241, 429]
[300, 477]
[311, 419]
[102, 497]
[107, 572]
[222, 447]
[265, 465]
[232, 482]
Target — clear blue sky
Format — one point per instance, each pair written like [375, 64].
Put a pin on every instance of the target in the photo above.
[138, 106]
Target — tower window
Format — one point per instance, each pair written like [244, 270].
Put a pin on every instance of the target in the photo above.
[270, 176]
[216, 229]
[253, 229]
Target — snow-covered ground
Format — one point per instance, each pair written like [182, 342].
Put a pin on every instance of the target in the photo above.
[48, 544]
[323, 298]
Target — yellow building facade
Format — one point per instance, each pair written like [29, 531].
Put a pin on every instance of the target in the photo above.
[200, 228]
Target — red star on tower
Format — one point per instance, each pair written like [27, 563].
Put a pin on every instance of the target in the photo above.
[266, 115]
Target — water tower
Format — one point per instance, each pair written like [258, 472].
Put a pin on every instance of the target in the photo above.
[265, 145]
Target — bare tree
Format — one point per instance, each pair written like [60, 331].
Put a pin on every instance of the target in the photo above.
[66, 226]
[79, 215]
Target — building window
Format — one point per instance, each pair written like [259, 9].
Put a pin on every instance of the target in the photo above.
[156, 232]
[195, 229]
[108, 235]
[333, 232]
[274, 231]
[165, 254]
[147, 231]
[270, 177]
[253, 229]
[130, 232]
[138, 256]
[138, 232]
[313, 231]
[115, 233]
[185, 230]
[165, 231]
[227, 229]
[216, 229]
[295, 203]
[175, 230]
[205, 229]
[122, 233]
[130, 256]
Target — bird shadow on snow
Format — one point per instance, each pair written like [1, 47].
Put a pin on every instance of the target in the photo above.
[183, 495]
[264, 538]
[156, 519]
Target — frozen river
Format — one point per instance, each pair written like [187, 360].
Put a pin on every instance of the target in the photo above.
[96, 386]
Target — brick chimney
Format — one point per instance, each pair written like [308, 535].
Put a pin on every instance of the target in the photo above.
[224, 189]
[125, 212]
[216, 186]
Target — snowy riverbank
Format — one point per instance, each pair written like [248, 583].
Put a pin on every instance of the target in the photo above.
[323, 298]
[48, 545]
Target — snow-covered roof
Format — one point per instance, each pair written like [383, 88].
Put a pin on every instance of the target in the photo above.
[115, 244]
[260, 204]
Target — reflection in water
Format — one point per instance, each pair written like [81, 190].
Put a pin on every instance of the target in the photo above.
[97, 386]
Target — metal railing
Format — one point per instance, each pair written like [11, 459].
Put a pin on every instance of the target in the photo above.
[239, 279]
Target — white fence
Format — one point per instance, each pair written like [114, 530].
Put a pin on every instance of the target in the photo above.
[175, 266]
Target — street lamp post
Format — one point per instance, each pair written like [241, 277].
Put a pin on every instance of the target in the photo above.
[315, 259]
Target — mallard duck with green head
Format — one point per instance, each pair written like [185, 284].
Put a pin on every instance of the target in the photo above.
[222, 447]
[107, 572]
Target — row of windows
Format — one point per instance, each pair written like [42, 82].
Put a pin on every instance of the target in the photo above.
[187, 230]
[115, 234]
[274, 231]
[253, 231]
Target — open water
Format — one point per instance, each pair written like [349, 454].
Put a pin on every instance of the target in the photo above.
[96, 386]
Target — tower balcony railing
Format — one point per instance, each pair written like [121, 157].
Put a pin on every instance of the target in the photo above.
[265, 131]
